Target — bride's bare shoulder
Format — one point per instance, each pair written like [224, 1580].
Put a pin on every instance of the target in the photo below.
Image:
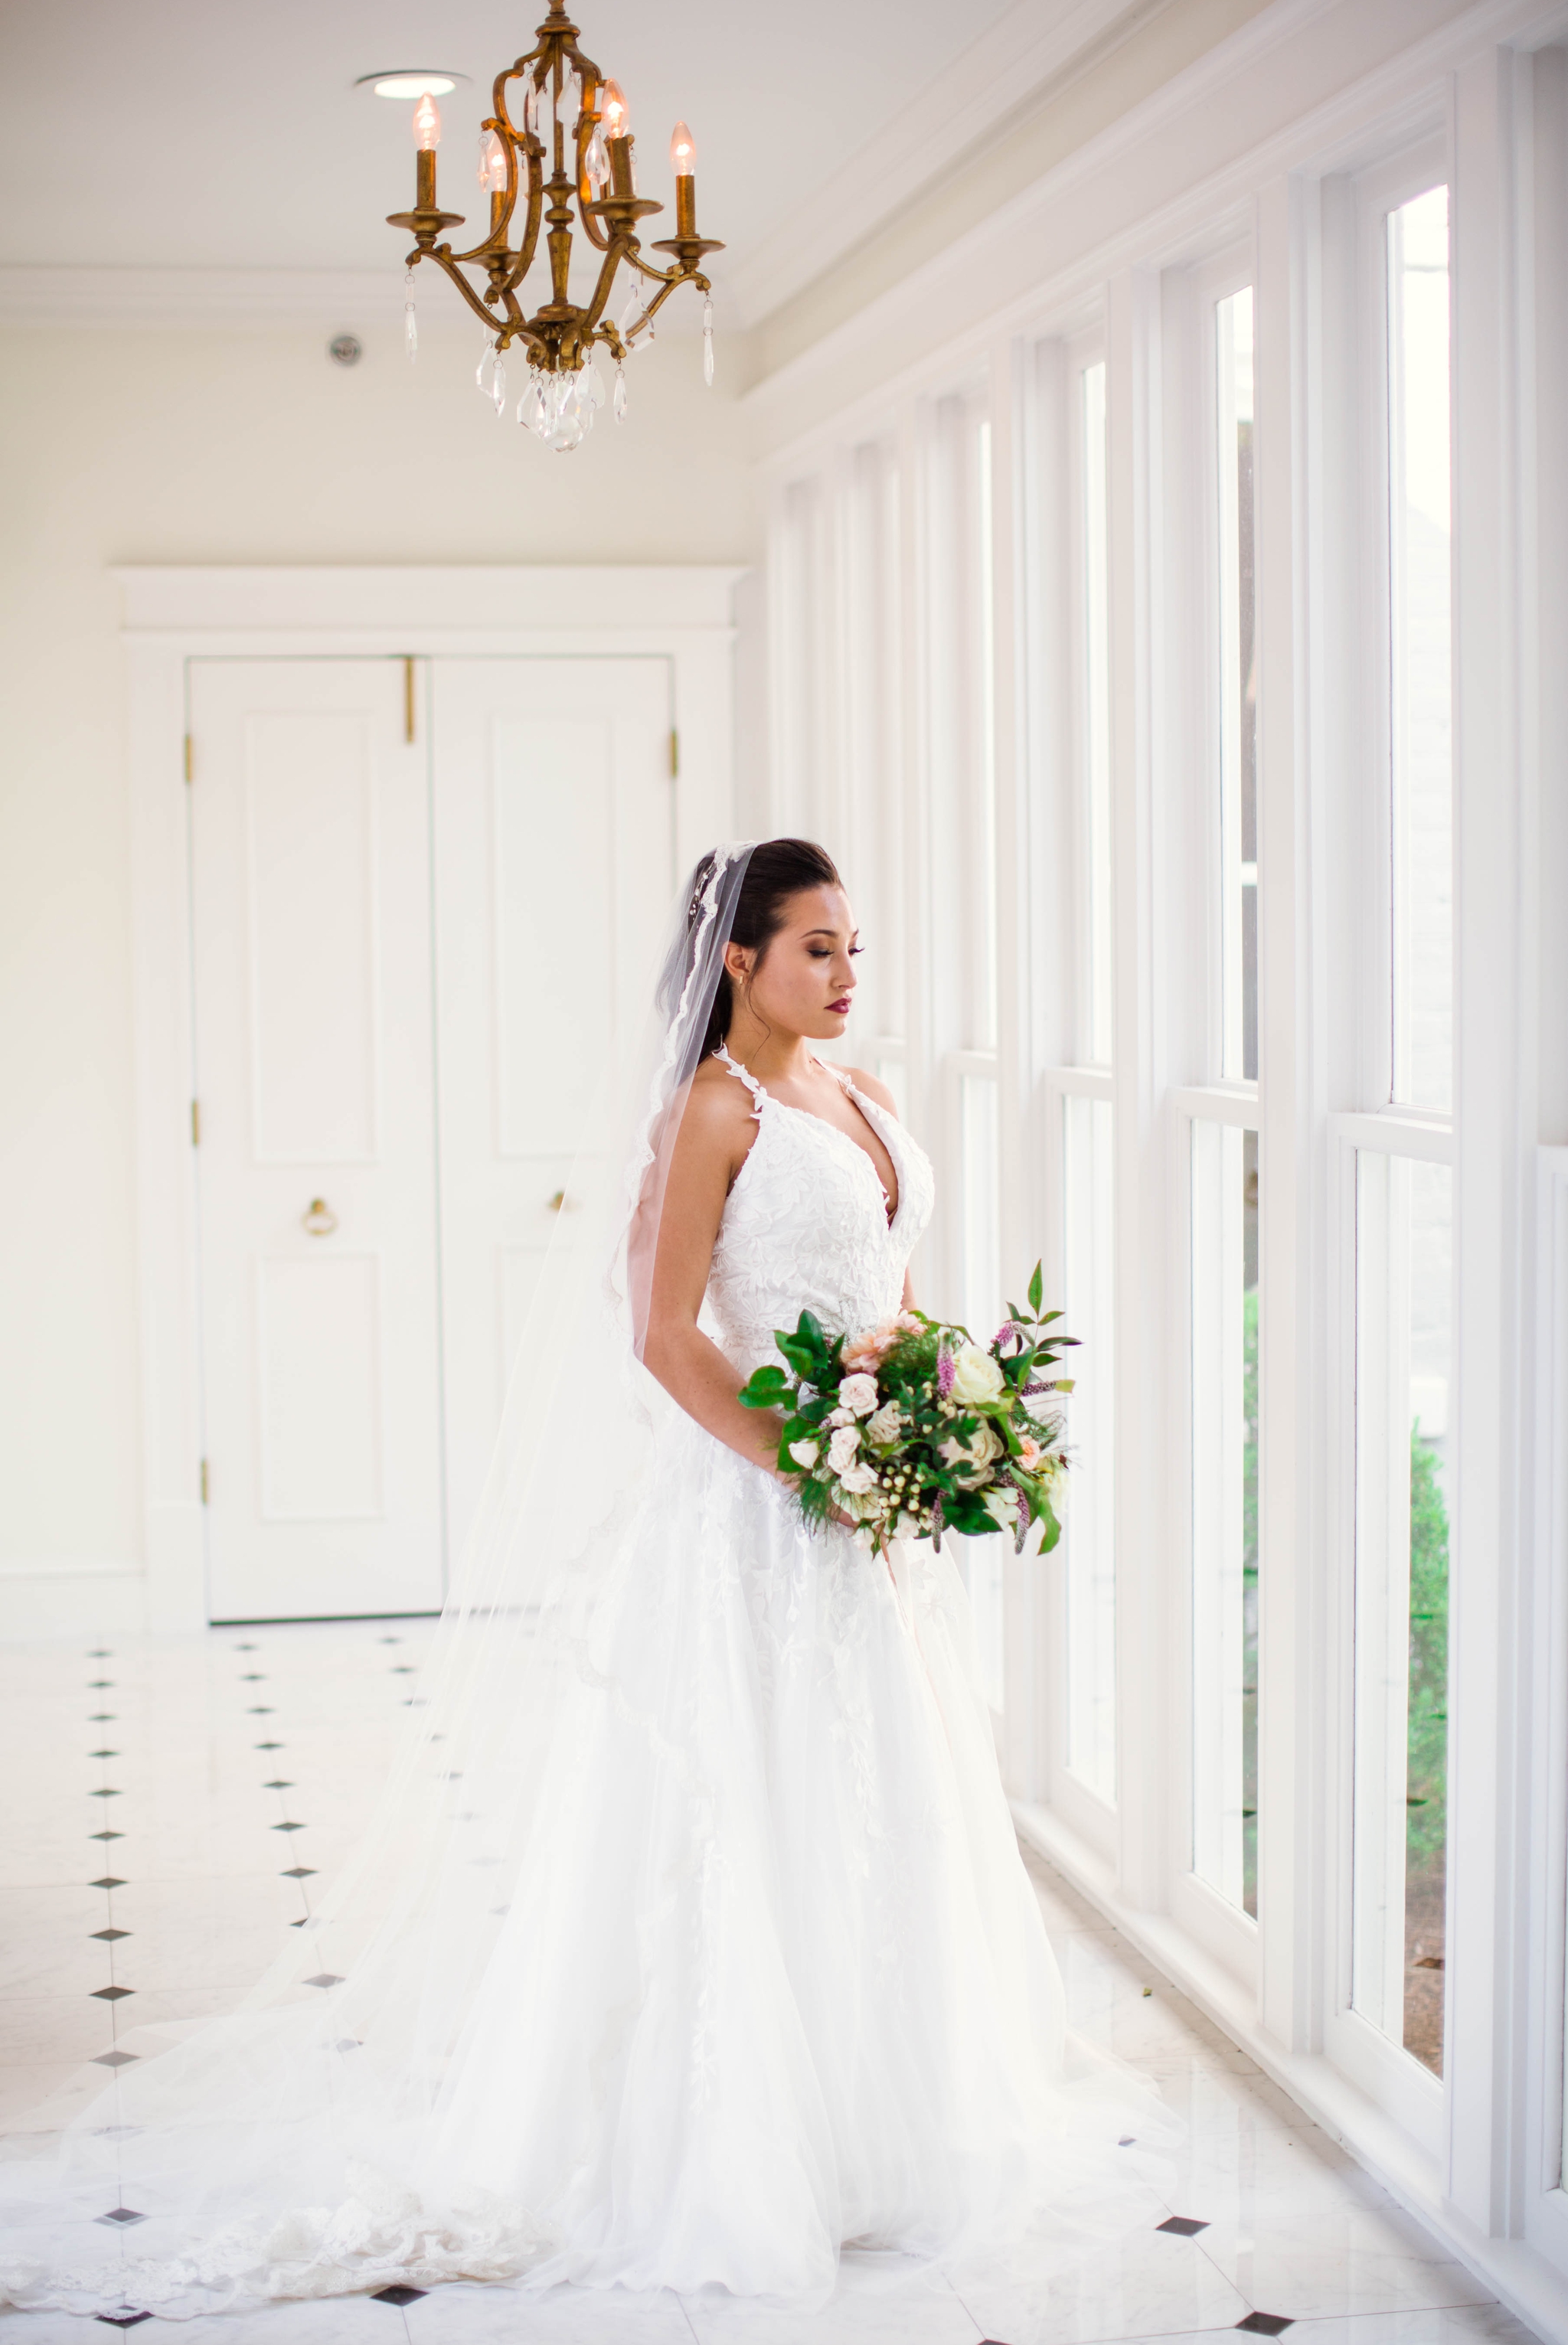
[718, 1110]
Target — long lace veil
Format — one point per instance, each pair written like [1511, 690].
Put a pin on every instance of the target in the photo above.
[304, 2135]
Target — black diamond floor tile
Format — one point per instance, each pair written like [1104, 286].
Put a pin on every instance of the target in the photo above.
[299, 1872]
[268, 1746]
[324, 1979]
[286, 1827]
[109, 1880]
[1188, 2227]
[102, 1717]
[106, 1793]
[100, 1653]
[106, 1835]
[259, 1710]
[124, 2215]
[99, 1685]
[399, 2295]
[253, 1677]
[246, 1648]
[113, 2059]
[108, 1933]
[112, 1994]
[123, 2320]
[103, 1755]
[1266, 2324]
[276, 1784]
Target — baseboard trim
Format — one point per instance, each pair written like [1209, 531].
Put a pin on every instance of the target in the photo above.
[71, 1599]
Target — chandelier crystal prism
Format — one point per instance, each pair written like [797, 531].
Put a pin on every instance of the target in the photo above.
[570, 167]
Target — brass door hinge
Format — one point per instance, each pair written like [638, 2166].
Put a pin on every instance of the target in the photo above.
[196, 1123]
[674, 753]
[190, 758]
[205, 1488]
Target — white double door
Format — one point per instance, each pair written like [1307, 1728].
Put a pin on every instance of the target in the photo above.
[421, 899]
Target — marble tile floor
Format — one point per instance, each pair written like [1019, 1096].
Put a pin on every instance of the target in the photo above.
[174, 1802]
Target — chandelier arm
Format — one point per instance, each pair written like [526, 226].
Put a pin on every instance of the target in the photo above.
[447, 260]
[517, 328]
[677, 274]
[616, 253]
[530, 239]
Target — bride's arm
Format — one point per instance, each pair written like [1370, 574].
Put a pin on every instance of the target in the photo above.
[715, 1132]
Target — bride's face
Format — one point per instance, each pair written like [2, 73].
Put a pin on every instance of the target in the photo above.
[803, 981]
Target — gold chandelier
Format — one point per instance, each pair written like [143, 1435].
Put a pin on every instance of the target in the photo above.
[593, 167]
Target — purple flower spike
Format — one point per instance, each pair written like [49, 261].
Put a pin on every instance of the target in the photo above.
[1005, 1333]
[944, 1373]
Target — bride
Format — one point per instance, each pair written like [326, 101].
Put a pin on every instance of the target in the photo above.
[692, 1943]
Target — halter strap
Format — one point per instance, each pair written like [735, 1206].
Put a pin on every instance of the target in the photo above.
[752, 1085]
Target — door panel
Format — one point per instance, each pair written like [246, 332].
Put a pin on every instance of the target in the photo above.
[311, 919]
[555, 828]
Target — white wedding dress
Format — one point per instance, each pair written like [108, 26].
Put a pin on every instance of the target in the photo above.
[772, 1979]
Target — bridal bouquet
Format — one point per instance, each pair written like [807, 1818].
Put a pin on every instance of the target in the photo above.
[913, 1426]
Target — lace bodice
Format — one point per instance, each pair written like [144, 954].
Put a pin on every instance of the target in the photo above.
[806, 1227]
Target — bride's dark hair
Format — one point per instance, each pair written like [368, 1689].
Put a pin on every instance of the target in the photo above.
[778, 870]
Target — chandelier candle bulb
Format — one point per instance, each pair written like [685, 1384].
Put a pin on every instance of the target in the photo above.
[427, 124]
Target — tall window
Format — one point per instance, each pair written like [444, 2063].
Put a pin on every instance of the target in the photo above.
[1421, 687]
[1088, 1169]
[1404, 1209]
[961, 861]
[1223, 1166]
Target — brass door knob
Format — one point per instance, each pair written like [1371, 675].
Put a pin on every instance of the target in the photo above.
[319, 1218]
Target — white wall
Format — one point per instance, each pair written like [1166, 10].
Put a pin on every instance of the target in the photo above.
[199, 447]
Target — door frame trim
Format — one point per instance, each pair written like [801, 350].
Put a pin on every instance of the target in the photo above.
[172, 615]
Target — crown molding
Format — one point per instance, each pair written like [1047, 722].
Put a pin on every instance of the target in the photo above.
[1033, 42]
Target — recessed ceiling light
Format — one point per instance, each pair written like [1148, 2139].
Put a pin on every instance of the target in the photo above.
[410, 81]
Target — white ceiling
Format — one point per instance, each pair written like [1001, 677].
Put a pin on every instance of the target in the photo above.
[201, 134]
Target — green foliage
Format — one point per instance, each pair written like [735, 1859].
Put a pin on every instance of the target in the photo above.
[1427, 1748]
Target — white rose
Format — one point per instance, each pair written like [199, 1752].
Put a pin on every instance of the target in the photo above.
[1001, 1505]
[977, 1381]
[887, 1424]
[858, 1478]
[805, 1454]
[843, 1448]
[858, 1395]
[984, 1445]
